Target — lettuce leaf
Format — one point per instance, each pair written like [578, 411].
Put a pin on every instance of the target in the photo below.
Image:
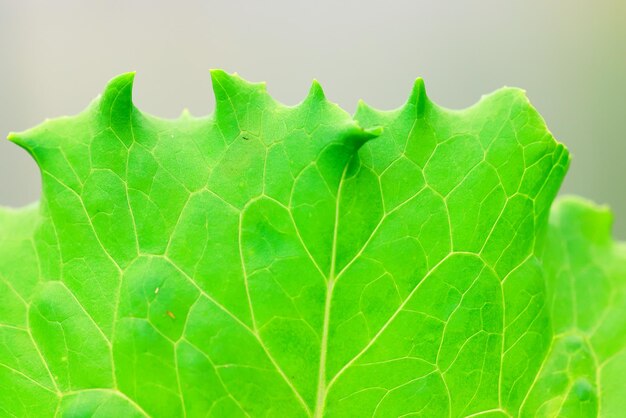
[297, 261]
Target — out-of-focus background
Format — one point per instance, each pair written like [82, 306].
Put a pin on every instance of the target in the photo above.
[569, 55]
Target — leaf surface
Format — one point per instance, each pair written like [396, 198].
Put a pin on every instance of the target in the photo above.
[281, 261]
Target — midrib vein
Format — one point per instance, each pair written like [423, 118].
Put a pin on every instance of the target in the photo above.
[321, 377]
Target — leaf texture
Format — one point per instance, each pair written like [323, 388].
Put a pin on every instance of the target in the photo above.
[282, 261]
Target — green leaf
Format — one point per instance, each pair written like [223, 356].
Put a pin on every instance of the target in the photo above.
[583, 374]
[296, 261]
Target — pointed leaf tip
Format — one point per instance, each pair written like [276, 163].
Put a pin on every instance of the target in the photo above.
[218, 74]
[119, 88]
[374, 131]
[14, 137]
[19, 140]
[316, 91]
[116, 106]
[116, 102]
[26, 139]
[362, 108]
[418, 97]
[228, 85]
[356, 136]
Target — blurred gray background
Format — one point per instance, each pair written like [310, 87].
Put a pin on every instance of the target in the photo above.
[569, 55]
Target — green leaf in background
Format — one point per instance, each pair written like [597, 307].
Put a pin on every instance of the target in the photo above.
[296, 261]
[583, 374]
